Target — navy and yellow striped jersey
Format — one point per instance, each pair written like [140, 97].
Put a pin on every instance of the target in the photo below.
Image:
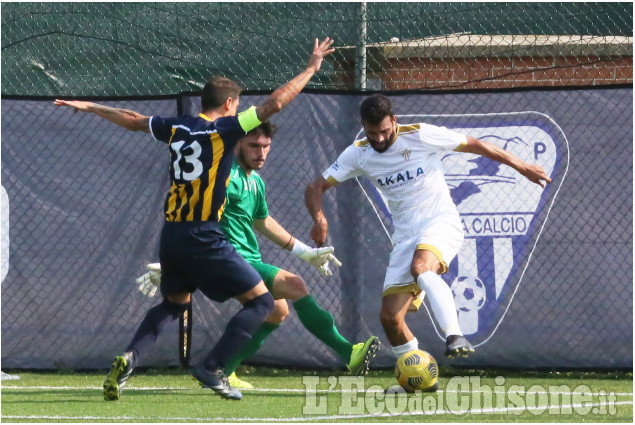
[201, 154]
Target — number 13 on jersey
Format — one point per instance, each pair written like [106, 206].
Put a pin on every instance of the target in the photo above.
[188, 157]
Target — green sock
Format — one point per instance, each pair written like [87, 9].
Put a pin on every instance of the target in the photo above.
[251, 347]
[321, 324]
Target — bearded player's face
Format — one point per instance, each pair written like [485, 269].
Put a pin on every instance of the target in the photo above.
[252, 151]
[382, 135]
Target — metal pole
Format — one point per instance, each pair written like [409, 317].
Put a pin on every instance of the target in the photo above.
[360, 63]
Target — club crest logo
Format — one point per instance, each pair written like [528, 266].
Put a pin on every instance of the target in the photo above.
[502, 212]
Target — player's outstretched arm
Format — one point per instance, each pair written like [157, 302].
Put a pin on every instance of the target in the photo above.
[317, 257]
[126, 118]
[272, 230]
[534, 173]
[313, 201]
[285, 94]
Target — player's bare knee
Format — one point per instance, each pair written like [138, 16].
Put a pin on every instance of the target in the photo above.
[280, 312]
[419, 267]
[299, 286]
[389, 319]
[424, 261]
[296, 288]
[179, 298]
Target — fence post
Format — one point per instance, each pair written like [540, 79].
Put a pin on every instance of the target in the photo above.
[360, 63]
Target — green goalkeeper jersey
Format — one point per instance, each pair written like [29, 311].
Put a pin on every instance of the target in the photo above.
[246, 202]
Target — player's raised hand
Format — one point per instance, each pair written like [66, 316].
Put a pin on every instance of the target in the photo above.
[150, 282]
[320, 50]
[536, 174]
[77, 105]
[319, 232]
[325, 257]
[327, 252]
[320, 258]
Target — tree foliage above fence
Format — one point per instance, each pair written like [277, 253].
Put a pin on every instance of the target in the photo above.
[123, 49]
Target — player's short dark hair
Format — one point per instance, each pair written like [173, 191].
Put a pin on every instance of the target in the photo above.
[266, 128]
[375, 108]
[216, 92]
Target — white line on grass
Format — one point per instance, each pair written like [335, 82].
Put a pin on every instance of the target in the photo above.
[297, 390]
[483, 411]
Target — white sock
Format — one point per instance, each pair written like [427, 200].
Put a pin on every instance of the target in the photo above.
[400, 350]
[441, 301]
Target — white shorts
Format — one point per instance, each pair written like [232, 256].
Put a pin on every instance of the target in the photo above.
[443, 237]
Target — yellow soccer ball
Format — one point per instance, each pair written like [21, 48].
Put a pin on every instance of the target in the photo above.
[417, 370]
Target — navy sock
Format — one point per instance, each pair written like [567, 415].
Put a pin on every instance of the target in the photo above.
[239, 331]
[157, 318]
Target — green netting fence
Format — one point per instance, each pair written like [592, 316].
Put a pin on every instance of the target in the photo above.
[128, 49]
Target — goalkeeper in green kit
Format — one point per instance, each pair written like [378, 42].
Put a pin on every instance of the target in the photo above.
[246, 209]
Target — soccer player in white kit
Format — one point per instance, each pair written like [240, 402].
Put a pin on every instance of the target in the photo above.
[404, 164]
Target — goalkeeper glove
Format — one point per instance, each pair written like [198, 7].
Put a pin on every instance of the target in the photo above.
[317, 257]
[150, 282]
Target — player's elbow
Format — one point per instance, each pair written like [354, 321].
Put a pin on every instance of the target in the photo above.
[137, 124]
[273, 105]
[260, 225]
[130, 126]
[278, 104]
[319, 185]
[311, 186]
[313, 189]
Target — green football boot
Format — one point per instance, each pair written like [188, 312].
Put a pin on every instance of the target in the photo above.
[239, 383]
[361, 355]
[117, 377]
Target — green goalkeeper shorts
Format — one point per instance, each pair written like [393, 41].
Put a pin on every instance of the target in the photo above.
[267, 272]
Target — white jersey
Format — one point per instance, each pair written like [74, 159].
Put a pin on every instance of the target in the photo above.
[409, 173]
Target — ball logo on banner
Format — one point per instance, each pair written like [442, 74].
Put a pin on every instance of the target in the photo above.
[469, 294]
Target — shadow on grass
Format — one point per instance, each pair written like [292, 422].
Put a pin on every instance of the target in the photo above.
[445, 370]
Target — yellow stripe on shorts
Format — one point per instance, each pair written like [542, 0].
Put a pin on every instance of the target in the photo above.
[437, 253]
[410, 288]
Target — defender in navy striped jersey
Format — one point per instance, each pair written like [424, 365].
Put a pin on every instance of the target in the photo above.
[194, 252]
[199, 164]
[247, 210]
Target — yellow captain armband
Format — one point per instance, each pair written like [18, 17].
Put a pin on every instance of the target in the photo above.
[248, 119]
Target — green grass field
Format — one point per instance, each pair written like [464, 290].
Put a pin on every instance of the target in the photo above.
[307, 396]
